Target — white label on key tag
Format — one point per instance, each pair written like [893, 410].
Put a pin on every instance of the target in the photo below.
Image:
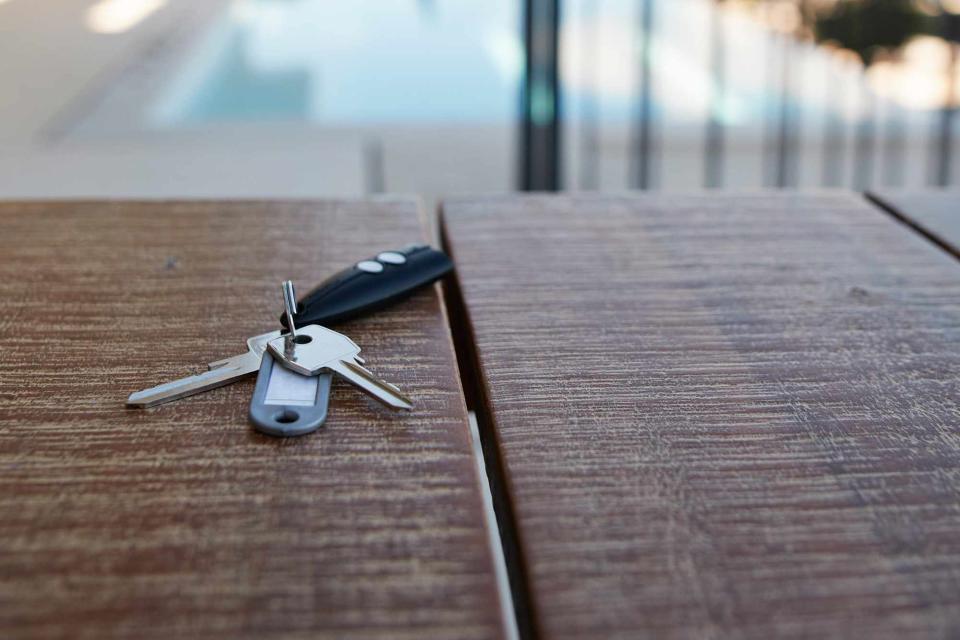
[289, 388]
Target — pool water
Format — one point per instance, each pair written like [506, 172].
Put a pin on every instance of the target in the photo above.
[357, 62]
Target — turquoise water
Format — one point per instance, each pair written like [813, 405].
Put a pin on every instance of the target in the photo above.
[357, 62]
[368, 62]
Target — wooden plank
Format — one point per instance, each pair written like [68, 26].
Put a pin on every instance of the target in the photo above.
[181, 521]
[719, 415]
[934, 213]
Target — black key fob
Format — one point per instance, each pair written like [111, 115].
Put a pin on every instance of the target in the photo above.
[371, 284]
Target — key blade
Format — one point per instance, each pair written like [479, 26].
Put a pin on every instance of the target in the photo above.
[237, 367]
[385, 392]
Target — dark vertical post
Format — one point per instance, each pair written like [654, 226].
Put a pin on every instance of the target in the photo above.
[780, 148]
[894, 148]
[865, 142]
[834, 133]
[768, 170]
[589, 174]
[713, 146]
[373, 165]
[641, 170]
[540, 135]
[787, 135]
[943, 162]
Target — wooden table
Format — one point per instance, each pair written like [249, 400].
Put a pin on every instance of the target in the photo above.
[716, 415]
[935, 214]
[702, 416]
[181, 521]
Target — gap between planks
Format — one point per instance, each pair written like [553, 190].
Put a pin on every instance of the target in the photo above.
[894, 213]
[512, 579]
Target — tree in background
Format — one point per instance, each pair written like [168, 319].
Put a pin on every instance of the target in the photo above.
[869, 27]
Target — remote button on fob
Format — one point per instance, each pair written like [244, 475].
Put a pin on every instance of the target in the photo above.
[392, 257]
[370, 266]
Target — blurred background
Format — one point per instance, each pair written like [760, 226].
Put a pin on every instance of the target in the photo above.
[304, 98]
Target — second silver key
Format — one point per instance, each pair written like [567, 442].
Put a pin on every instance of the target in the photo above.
[314, 349]
[221, 373]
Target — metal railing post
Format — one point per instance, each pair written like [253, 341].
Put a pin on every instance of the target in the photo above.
[540, 139]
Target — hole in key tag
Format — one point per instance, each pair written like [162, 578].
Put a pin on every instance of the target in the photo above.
[287, 416]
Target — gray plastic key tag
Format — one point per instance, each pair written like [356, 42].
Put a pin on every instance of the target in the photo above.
[286, 403]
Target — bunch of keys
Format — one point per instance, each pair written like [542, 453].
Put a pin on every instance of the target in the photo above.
[291, 399]
[282, 406]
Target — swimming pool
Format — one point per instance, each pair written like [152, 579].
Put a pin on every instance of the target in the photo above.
[358, 62]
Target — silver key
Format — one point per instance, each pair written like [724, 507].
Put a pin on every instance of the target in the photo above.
[313, 349]
[221, 373]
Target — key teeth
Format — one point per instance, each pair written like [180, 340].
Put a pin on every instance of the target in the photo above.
[399, 399]
[241, 366]
[393, 387]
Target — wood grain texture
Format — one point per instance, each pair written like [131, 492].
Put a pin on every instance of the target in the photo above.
[720, 415]
[935, 213]
[181, 521]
